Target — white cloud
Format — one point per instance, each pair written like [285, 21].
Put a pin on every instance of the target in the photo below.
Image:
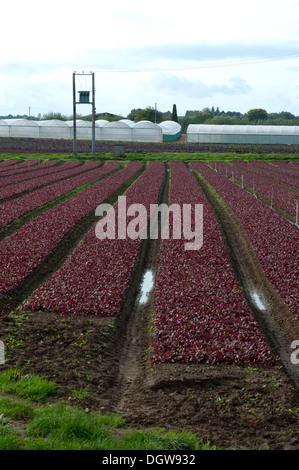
[210, 51]
[172, 84]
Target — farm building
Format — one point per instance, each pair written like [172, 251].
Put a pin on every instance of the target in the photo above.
[239, 134]
[171, 130]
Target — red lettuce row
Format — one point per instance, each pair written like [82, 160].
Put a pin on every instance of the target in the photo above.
[274, 239]
[26, 169]
[17, 207]
[20, 166]
[20, 177]
[27, 248]
[275, 174]
[6, 164]
[94, 279]
[200, 312]
[84, 146]
[273, 190]
[64, 171]
[278, 172]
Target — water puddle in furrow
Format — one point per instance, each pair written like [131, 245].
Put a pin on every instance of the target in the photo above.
[146, 286]
[258, 300]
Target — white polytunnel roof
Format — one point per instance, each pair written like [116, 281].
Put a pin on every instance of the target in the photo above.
[83, 129]
[244, 134]
[4, 129]
[242, 129]
[116, 130]
[147, 131]
[146, 125]
[101, 122]
[128, 122]
[52, 123]
[170, 127]
[21, 122]
[54, 128]
[117, 124]
[79, 123]
[22, 128]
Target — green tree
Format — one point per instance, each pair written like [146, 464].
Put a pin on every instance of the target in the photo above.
[149, 114]
[174, 114]
[51, 115]
[133, 113]
[257, 114]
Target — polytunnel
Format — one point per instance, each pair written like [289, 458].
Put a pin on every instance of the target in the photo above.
[171, 130]
[101, 122]
[116, 130]
[128, 121]
[147, 131]
[54, 129]
[4, 129]
[242, 134]
[83, 129]
[22, 127]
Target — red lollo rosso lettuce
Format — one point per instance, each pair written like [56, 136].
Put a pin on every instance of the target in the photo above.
[200, 312]
[94, 279]
[27, 247]
[11, 209]
[274, 239]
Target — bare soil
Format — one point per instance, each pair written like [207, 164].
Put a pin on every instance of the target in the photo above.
[228, 406]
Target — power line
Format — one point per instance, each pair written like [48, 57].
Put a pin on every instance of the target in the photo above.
[207, 66]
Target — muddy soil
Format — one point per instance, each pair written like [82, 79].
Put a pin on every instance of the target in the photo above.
[228, 406]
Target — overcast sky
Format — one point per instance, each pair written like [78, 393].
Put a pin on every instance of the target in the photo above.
[227, 54]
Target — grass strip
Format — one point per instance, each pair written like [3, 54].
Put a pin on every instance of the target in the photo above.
[62, 427]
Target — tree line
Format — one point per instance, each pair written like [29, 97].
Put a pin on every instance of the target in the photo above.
[204, 116]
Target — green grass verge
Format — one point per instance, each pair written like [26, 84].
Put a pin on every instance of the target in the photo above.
[28, 423]
[25, 386]
[158, 156]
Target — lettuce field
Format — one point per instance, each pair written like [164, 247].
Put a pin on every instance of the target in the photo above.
[233, 304]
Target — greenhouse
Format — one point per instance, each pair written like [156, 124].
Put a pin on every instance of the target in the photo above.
[171, 130]
[22, 128]
[116, 130]
[83, 129]
[147, 131]
[241, 134]
[4, 129]
[122, 130]
[54, 128]
[128, 121]
[101, 122]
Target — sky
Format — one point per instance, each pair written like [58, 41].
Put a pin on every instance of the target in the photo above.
[228, 54]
